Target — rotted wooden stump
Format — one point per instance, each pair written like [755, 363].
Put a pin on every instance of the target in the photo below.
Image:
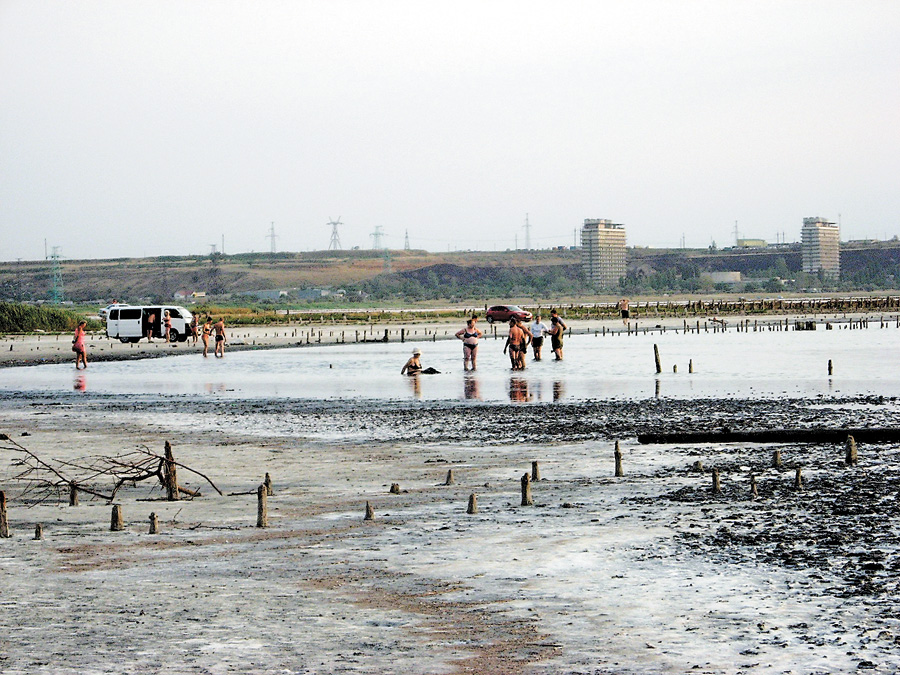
[171, 475]
[38, 532]
[798, 479]
[473, 504]
[535, 472]
[370, 512]
[716, 483]
[262, 507]
[73, 494]
[776, 459]
[4, 523]
[526, 490]
[154, 524]
[851, 457]
[449, 480]
[618, 457]
[753, 489]
[116, 523]
[395, 489]
[268, 483]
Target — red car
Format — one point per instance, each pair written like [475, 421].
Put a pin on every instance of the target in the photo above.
[504, 313]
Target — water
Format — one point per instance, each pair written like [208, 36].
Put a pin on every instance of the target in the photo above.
[726, 365]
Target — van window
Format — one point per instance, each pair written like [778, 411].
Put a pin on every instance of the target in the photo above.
[173, 314]
[114, 314]
[130, 313]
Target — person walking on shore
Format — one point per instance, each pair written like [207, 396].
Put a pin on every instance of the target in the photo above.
[538, 329]
[78, 345]
[623, 310]
[150, 321]
[469, 336]
[220, 338]
[167, 323]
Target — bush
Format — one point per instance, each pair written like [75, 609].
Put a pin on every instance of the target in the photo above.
[18, 318]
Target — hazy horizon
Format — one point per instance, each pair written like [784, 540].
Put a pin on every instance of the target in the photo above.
[134, 129]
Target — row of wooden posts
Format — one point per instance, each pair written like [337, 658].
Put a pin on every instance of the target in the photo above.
[265, 490]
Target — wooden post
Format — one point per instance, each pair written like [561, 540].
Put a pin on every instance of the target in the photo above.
[262, 507]
[370, 512]
[4, 523]
[473, 504]
[395, 489]
[656, 358]
[38, 532]
[830, 369]
[73, 494]
[618, 457]
[526, 490]
[716, 484]
[171, 475]
[690, 365]
[798, 479]
[776, 459]
[753, 491]
[698, 466]
[535, 472]
[154, 524]
[116, 523]
[850, 457]
[674, 367]
[268, 483]
[449, 480]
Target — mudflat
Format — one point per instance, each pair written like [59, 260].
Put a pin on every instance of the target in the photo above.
[652, 571]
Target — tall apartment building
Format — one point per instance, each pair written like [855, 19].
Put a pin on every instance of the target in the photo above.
[820, 246]
[603, 252]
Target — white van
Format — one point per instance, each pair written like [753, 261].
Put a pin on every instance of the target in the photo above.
[130, 323]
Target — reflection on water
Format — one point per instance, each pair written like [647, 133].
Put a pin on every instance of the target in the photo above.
[731, 365]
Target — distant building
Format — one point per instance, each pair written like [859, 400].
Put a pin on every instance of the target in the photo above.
[751, 243]
[724, 277]
[603, 252]
[820, 247]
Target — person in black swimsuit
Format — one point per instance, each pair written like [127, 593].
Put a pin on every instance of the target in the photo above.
[469, 336]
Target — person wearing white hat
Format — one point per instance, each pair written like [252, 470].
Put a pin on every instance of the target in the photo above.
[414, 365]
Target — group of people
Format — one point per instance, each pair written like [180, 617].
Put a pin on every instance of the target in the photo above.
[519, 338]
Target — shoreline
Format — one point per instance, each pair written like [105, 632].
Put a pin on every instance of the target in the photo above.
[49, 348]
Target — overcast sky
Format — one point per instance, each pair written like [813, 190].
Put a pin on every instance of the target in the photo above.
[160, 128]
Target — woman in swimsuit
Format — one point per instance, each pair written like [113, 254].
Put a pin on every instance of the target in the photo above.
[469, 335]
[167, 322]
[78, 345]
[207, 331]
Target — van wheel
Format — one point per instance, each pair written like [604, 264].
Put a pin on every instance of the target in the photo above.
[173, 335]
[134, 340]
[490, 319]
[124, 340]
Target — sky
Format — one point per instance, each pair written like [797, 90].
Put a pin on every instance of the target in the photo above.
[165, 128]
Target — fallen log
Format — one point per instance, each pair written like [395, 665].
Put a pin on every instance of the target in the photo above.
[875, 435]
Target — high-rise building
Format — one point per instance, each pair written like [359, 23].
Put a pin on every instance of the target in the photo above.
[820, 245]
[603, 252]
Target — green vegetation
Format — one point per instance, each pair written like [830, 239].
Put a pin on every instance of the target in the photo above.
[18, 318]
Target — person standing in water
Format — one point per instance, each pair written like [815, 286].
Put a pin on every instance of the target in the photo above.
[538, 329]
[220, 338]
[623, 310]
[516, 343]
[207, 331]
[557, 333]
[469, 336]
[78, 344]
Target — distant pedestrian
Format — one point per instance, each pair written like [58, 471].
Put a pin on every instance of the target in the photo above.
[469, 336]
[151, 319]
[167, 324]
[623, 310]
[78, 345]
[221, 338]
[194, 329]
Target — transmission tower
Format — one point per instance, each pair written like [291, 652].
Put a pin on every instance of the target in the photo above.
[272, 236]
[527, 234]
[56, 288]
[376, 238]
[406, 242]
[335, 244]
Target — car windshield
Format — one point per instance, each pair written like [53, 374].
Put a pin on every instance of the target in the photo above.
[514, 308]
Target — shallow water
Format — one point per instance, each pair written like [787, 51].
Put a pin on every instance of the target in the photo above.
[726, 365]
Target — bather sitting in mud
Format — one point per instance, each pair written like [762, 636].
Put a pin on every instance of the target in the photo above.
[414, 365]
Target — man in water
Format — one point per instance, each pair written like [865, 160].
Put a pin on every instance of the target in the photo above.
[517, 343]
[221, 339]
[557, 333]
[538, 329]
[623, 310]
